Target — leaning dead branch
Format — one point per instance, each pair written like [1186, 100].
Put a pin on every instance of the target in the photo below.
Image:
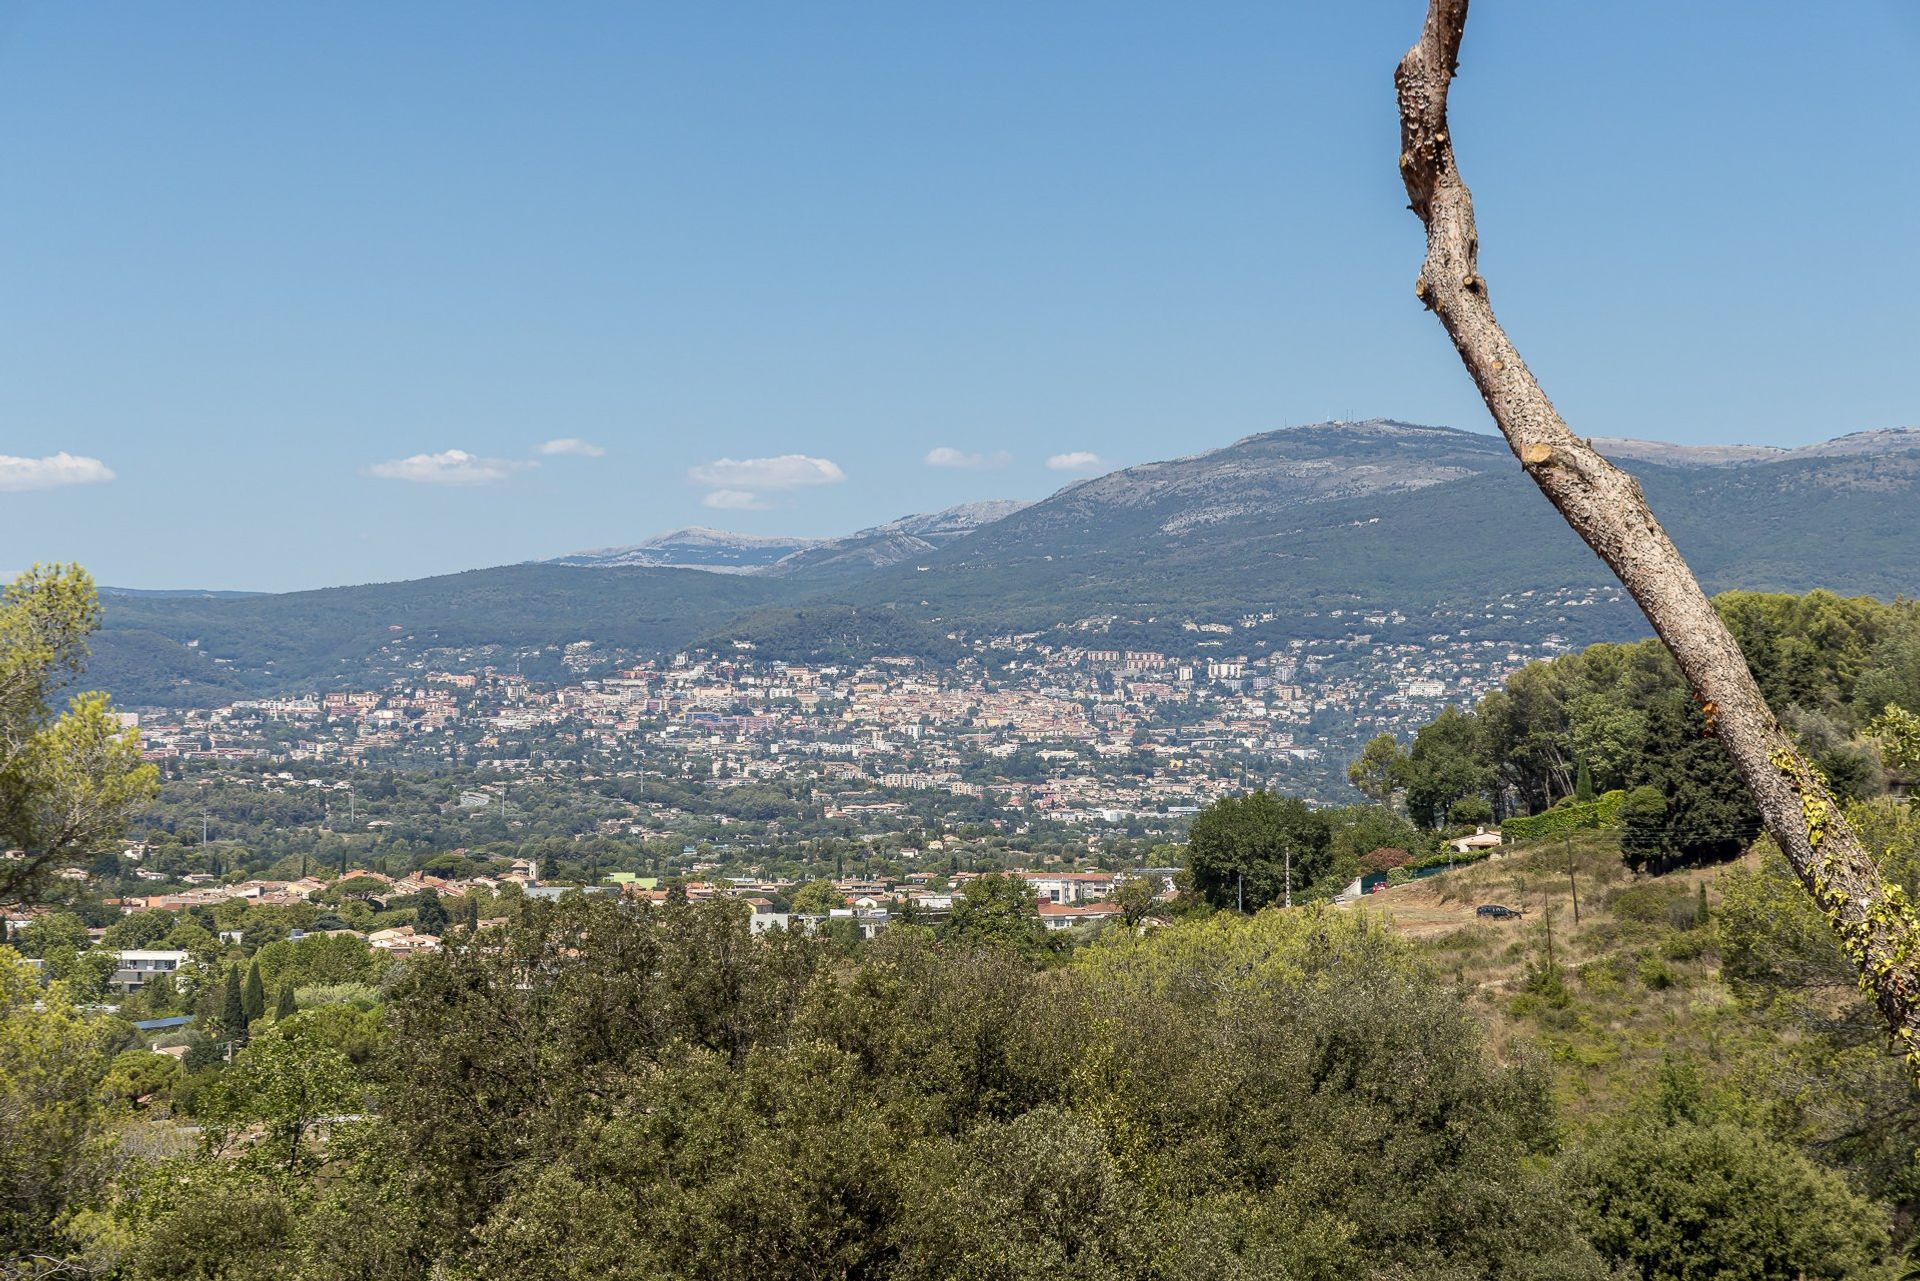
[1876, 925]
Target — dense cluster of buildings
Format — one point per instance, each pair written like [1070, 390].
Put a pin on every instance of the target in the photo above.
[1057, 725]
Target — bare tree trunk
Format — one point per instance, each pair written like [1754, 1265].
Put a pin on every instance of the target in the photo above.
[1876, 926]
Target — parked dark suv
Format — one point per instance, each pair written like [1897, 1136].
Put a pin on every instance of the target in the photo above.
[1497, 911]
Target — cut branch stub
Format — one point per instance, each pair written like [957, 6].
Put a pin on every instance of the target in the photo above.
[1876, 926]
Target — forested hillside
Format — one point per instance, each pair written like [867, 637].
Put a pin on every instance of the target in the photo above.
[186, 648]
[1619, 718]
[1295, 523]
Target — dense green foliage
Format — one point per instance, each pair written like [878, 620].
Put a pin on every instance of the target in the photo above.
[603, 1087]
[607, 1089]
[1689, 1202]
[1241, 850]
[1619, 717]
[68, 776]
[1569, 815]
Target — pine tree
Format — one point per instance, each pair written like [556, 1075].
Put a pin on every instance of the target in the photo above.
[430, 917]
[254, 997]
[285, 1007]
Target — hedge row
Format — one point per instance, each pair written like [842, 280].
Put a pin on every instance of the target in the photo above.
[1445, 858]
[1569, 816]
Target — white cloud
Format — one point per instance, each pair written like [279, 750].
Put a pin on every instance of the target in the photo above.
[449, 467]
[1078, 460]
[788, 471]
[947, 456]
[572, 447]
[738, 500]
[51, 472]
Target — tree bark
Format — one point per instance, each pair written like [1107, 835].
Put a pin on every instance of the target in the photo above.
[1876, 926]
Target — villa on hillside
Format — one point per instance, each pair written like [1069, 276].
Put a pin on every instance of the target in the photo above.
[1482, 839]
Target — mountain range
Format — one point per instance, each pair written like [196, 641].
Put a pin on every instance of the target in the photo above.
[723, 552]
[1297, 523]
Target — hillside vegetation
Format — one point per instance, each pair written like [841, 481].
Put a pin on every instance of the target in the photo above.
[1619, 717]
[1675, 1087]
[188, 649]
[1708, 998]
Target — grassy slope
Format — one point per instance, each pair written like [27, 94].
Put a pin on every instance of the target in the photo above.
[1641, 984]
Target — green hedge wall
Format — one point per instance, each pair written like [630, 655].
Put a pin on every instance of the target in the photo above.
[1574, 816]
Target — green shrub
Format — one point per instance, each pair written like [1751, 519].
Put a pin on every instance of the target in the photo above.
[359, 995]
[1683, 1201]
[1656, 973]
[1690, 945]
[1647, 904]
[1548, 982]
[1468, 938]
[1605, 975]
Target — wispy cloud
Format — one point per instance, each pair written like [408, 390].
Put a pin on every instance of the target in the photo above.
[1078, 460]
[737, 483]
[51, 472]
[948, 456]
[570, 447]
[788, 471]
[449, 467]
[734, 500]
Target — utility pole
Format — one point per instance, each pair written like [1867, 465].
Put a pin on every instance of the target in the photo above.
[1546, 911]
[1573, 885]
[1289, 856]
[1241, 880]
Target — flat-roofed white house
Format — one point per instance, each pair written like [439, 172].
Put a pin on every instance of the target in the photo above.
[136, 967]
[1070, 887]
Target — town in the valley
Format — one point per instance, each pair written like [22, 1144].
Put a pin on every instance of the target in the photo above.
[1054, 733]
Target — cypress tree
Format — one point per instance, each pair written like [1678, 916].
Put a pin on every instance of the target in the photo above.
[472, 913]
[254, 997]
[285, 1007]
[1583, 783]
[1700, 912]
[233, 1014]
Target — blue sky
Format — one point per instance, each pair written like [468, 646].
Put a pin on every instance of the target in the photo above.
[286, 271]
